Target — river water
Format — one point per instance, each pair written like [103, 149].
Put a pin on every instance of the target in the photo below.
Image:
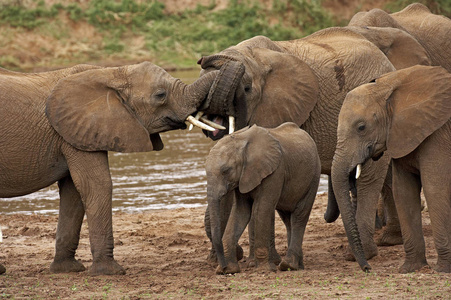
[172, 178]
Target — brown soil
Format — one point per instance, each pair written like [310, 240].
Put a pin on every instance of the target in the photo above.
[164, 253]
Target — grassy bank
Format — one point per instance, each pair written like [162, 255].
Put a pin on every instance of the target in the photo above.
[36, 35]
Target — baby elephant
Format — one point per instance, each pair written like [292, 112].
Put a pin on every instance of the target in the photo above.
[263, 170]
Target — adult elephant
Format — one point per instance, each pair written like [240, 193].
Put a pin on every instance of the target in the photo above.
[305, 81]
[406, 113]
[432, 31]
[58, 126]
[403, 51]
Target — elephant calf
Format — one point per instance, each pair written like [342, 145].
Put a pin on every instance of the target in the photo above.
[263, 170]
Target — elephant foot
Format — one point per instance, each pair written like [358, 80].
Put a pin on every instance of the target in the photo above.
[275, 257]
[370, 252]
[251, 263]
[412, 266]
[2, 269]
[266, 266]
[231, 268]
[390, 237]
[443, 266]
[290, 264]
[106, 267]
[212, 259]
[66, 266]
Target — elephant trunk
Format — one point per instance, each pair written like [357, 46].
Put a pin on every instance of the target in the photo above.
[229, 86]
[197, 92]
[214, 206]
[332, 211]
[343, 180]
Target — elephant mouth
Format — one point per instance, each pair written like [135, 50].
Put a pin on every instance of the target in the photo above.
[217, 134]
[377, 156]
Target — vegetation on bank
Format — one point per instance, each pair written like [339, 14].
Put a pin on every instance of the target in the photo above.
[36, 35]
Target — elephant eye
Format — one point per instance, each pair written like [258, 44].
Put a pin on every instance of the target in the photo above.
[247, 88]
[160, 95]
[361, 127]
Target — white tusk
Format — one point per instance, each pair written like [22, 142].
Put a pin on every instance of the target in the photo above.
[198, 123]
[212, 124]
[358, 171]
[197, 117]
[231, 124]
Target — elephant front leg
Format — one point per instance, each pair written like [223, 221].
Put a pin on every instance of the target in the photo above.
[239, 218]
[437, 191]
[264, 216]
[406, 192]
[391, 234]
[274, 255]
[70, 218]
[91, 176]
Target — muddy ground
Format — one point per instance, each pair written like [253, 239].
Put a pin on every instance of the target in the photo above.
[164, 255]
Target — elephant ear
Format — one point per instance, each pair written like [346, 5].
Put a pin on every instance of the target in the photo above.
[419, 105]
[401, 49]
[290, 90]
[262, 156]
[88, 111]
[375, 17]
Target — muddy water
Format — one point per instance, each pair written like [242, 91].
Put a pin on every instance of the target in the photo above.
[171, 178]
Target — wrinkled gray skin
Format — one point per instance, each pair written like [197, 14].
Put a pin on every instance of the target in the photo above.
[305, 81]
[58, 126]
[432, 33]
[406, 113]
[266, 170]
[430, 30]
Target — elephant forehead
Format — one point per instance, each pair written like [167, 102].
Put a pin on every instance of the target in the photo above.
[143, 75]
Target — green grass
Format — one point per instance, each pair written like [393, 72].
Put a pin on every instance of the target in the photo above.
[178, 39]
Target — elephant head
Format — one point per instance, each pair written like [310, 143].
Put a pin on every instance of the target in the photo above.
[124, 108]
[402, 49]
[238, 162]
[271, 76]
[430, 30]
[395, 113]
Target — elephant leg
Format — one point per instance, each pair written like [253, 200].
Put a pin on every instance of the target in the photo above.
[294, 260]
[264, 214]
[212, 257]
[226, 207]
[437, 192]
[71, 213]
[273, 256]
[391, 234]
[406, 190]
[285, 216]
[91, 176]
[239, 218]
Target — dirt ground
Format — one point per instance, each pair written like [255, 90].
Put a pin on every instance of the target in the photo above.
[164, 253]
